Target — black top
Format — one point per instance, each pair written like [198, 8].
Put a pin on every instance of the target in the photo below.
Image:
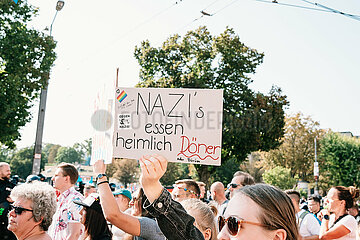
[104, 236]
[5, 188]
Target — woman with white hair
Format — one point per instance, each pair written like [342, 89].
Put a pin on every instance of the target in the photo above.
[32, 210]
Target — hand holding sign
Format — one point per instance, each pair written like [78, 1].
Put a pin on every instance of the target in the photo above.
[99, 167]
[152, 169]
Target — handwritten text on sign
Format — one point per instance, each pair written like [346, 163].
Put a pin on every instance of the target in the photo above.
[184, 125]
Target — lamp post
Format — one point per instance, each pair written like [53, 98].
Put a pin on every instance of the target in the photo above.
[316, 171]
[41, 114]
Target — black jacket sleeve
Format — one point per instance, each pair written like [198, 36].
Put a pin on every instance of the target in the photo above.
[172, 218]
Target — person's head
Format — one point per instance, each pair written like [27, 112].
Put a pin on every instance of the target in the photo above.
[204, 217]
[217, 190]
[32, 178]
[202, 187]
[89, 189]
[65, 176]
[92, 216]
[33, 207]
[240, 180]
[314, 204]
[295, 198]
[339, 199]
[5, 172]
[185, 189]
[259, 211]
[123, 198]
[137, 203]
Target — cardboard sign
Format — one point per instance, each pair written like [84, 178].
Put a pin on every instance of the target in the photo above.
[101, 121]
[184, 125]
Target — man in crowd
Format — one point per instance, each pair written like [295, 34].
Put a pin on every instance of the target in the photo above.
[89, 189]
[314, 206]
[32, 210]
[5, 188]
[217, 190]
[66, 222]
[185, 189]
[240, 180]
[309, 227]
[202, 187]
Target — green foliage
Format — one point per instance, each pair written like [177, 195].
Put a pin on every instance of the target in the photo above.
[50, 150]
[341, 156]
[127, 171]
[175, 171]
[67, 154]
[4, 154]
[225, 172]
[252, 121]
[279, 177]
[297, 152]
[26, 56]
[21, 162]
[84, 148]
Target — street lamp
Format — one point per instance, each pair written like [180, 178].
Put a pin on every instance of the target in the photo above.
[41, 114]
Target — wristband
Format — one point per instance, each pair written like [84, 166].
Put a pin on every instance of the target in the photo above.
[102, 182]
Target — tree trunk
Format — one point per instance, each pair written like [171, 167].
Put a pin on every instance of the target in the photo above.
[204, 174]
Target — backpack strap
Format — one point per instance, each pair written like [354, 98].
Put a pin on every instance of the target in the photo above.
[302, 216]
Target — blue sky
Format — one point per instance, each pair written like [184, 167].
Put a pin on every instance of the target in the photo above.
[313, 56]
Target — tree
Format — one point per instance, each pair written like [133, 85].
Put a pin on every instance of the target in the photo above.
[252, 121]
[279, 177]
[254, 165]
[67, 154]
[21, 162]
[127, 171]
[26, 56]
[5, 154]
[175, 171]
[84, 148]
[50, 151]
[341, 160]
[297, 152]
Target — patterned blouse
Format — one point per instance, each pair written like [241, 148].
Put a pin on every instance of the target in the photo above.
[67, 212]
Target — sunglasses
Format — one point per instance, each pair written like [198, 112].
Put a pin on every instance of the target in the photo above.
[19, 210]
[186, 190]
[234, 224]
[232, 185]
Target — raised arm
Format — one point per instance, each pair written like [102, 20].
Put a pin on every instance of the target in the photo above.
[172, 218]
[330, 233]
[112, 213]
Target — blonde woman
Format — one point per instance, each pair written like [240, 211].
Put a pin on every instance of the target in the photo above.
[204, 217]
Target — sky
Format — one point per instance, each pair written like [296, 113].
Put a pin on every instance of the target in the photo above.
[313, 56]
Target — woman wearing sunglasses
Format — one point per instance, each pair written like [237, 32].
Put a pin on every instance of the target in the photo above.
[32, 211]
[259, 211]
[335, 222]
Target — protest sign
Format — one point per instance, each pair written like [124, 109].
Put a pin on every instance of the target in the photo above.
[101, 121]
[184, 125]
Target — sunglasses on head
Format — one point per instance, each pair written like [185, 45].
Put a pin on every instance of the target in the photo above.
[234, 224]
[232, 185]
[19, 210]
[186, 190]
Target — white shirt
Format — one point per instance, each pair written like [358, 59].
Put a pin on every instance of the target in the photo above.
[309, 226]
[350, 223]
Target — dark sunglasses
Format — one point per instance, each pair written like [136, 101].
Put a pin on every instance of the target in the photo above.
[234, 224]
[19, 210]
[232, 185]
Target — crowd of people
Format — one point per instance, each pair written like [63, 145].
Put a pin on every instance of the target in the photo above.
[38, 210]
